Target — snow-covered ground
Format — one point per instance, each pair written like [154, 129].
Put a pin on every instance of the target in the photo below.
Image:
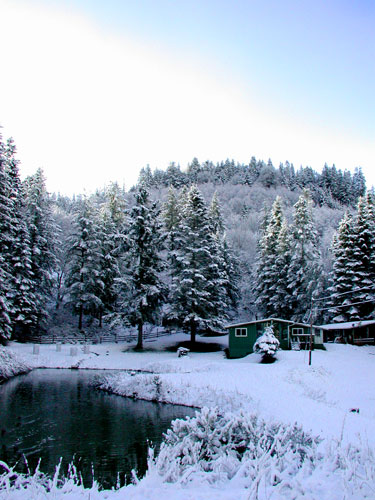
[319, 397]
[11, 364]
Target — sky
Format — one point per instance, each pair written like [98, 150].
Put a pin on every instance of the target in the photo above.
[92, 91]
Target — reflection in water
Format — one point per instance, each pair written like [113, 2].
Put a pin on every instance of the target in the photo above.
[55, 413]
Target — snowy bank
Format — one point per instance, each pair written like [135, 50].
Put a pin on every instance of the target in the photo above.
[11, 364]
[155, 388]
[230, 457]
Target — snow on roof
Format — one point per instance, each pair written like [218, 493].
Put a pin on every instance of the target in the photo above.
[268, 319]
[348, 325]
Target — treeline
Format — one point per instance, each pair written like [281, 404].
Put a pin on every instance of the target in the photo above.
[107, 260]
[331, 187]
[191, 254]
[291, 280]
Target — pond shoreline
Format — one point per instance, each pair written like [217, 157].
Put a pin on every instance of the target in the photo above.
[11, 365]
[46, 415]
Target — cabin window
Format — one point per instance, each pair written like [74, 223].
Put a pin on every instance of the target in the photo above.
[297, 331]
[240, 332]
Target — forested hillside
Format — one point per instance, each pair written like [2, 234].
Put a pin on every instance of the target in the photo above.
[192, 249]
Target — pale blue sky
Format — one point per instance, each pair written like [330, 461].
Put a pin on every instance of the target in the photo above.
[290, 80]
[317, 56]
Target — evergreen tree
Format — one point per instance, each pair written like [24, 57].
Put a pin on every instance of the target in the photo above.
[174, 176]
[280, 299]
[194, 168]
[111, 238]
[43, 234]
[268, 285]
[198, 297]
[64, 220]
[171, 215]
[363, 258]
[359, 184]
[353, 275]
[227, 263]
[5, 245]
[146, 177]
[342, 276]
[217, 221]
[304, 271]
[84, 283]
[22, 293]
[142, 289]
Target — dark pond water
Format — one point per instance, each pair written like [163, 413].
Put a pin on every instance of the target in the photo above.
[55, 413]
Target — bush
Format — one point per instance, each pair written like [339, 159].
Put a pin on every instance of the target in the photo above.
[267, 345]
[219, 446]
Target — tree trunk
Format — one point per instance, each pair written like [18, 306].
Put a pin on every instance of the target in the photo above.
[193, 331]
[80, 317]
[140, 335]
[59, 296]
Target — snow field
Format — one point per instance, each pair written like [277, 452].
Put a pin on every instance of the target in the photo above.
[319, 398]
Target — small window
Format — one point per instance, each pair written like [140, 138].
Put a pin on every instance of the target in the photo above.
[297, 331]
[240, 332]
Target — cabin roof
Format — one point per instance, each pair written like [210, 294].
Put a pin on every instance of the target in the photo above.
[269, 319]
[348, 325]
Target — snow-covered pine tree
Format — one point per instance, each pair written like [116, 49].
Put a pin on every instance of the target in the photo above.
[22, 294]
[83, 279]
[171, 216]
[304, 270]
[111, 236]
[193, 170]
[143, 291]
[216, 217]
[358, 184]
[228, 264]
[43, 233]
[5, 245]
[267, 272]
[197, 292]
[363, 256]
[267, 345]
[65, 221]
[342, 275]
[280, 299]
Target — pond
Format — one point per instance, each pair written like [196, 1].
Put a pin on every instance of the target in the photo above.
[50, 414]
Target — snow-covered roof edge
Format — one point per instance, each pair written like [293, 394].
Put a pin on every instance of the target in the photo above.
[270, 319]
[348, 325]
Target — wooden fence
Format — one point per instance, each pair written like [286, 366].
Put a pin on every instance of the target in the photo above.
[149, 335]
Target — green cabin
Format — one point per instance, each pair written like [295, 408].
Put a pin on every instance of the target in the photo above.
[291, 335]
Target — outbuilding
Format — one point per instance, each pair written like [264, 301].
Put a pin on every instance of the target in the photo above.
[291, 335]
[351, 332]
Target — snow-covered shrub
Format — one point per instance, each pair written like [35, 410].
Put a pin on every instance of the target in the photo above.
[39, 486]
[267, 344]
[240, 453]
[11, 364]
[219, 446]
